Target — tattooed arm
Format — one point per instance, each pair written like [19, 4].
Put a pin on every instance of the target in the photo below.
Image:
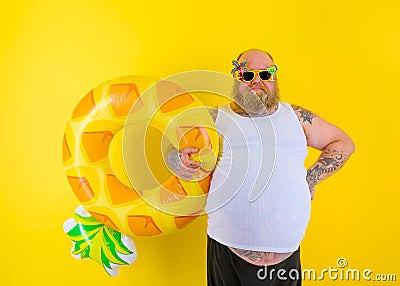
[335, 144]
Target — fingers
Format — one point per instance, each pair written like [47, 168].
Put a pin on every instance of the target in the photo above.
[184, 156]
[187, 167]
[181, 165]
[189, 150]
[191, 164]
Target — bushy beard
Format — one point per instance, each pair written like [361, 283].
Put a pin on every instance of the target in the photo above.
[255, 103]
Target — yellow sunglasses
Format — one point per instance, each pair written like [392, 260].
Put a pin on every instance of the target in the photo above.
[265, 75]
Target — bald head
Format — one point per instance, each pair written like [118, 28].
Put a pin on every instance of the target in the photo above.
[251, 51]
[256, 59]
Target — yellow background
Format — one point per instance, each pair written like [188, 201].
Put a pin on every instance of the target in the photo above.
[337, 58]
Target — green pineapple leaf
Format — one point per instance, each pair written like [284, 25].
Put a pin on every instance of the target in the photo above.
[96, 241]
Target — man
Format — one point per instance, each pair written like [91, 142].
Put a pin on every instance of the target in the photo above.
[250, 241]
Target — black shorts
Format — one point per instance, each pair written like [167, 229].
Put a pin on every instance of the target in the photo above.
[225, 268]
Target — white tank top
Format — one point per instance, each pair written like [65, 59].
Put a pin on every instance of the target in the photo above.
[259, 198]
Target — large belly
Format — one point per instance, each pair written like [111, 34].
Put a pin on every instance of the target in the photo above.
[275, 222]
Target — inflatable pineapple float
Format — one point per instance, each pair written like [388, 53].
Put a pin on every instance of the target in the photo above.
[114, 152]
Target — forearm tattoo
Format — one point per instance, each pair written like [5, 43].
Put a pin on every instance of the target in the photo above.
[173, 159]
[261, 257]
[304, 114]
[328, 163]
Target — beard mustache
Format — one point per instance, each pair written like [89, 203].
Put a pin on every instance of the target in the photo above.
[255, 102]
